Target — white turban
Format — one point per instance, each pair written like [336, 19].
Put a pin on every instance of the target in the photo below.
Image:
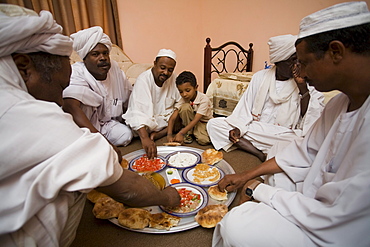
[166, 53]
[24, 31]
[86, 40]
[335, 17]
[281, 47]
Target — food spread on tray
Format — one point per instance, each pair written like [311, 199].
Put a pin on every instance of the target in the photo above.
[194, 199]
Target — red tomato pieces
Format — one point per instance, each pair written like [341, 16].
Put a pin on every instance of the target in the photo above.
[143, 164]
[189, 200]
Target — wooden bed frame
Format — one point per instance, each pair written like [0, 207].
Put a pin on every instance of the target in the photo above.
[215, 60]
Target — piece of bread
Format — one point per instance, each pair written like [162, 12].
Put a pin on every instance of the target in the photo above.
[172, 144]
[106, 208]
[216, 194]
[163, 221]
[211, 156]
[204, 173]
[94, 195]
[124, 163]
[134, 218]
[210, 215]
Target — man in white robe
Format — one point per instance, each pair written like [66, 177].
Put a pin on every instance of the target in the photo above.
[330, 204]
[48, 163]
[277, 107]
[153, 101]
[99, 90]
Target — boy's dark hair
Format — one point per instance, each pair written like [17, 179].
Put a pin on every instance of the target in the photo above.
[186, 76]
[357, 38]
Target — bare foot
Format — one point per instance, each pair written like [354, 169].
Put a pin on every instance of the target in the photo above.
[247, 146]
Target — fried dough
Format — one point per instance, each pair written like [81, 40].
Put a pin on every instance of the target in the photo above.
[216, 194]
[106, 208]
[212, 156]
[134, 218]
[163, 221]
[94, 195]
[210, 215]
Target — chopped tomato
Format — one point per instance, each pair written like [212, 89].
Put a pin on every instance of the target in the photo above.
[143, 164]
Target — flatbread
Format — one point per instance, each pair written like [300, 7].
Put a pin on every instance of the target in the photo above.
[216, 194]
[211, 156]
[94, 195]
[163, 221]
[172, 144]
[134, 218]
[106, 208]
[124, 163]
[210, 215]
[204, 172]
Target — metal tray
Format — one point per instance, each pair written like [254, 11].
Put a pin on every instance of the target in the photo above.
[185, 223]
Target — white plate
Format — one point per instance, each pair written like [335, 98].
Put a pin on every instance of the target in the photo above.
[132, 162]
[188, 177]
[195, 189]
[182, 159]
[173, 173]
[185, 223]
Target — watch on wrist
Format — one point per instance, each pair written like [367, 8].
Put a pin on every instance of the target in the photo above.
[249, 192]
[250, 188]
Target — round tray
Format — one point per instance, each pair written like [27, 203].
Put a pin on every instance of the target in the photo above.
[185, 223]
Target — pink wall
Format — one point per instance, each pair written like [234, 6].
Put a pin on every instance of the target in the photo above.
[183, 26]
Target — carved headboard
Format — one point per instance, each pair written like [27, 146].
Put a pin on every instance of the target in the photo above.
[230, 57]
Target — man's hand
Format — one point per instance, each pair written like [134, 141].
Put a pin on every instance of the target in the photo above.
[172, 195]
[234, 135]
[179, 138]
[232, 182]
[296, 75]
[170, 137]
[149, 147]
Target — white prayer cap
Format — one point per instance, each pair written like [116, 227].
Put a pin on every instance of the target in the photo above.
[85, 40]
[166, 53]
[335, 17]
[24, 31]
[281, 47]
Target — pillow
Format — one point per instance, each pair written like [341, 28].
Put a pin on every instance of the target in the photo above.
[136, 69]
[237, 76]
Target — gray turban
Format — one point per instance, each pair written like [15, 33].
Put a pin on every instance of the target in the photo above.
[85, 40]
[24, 31]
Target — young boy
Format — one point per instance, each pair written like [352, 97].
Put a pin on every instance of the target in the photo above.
[194, 112]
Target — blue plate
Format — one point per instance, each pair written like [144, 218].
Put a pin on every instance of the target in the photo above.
[132, 162]
[188, 177]
[183, 159]
[196, 189]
